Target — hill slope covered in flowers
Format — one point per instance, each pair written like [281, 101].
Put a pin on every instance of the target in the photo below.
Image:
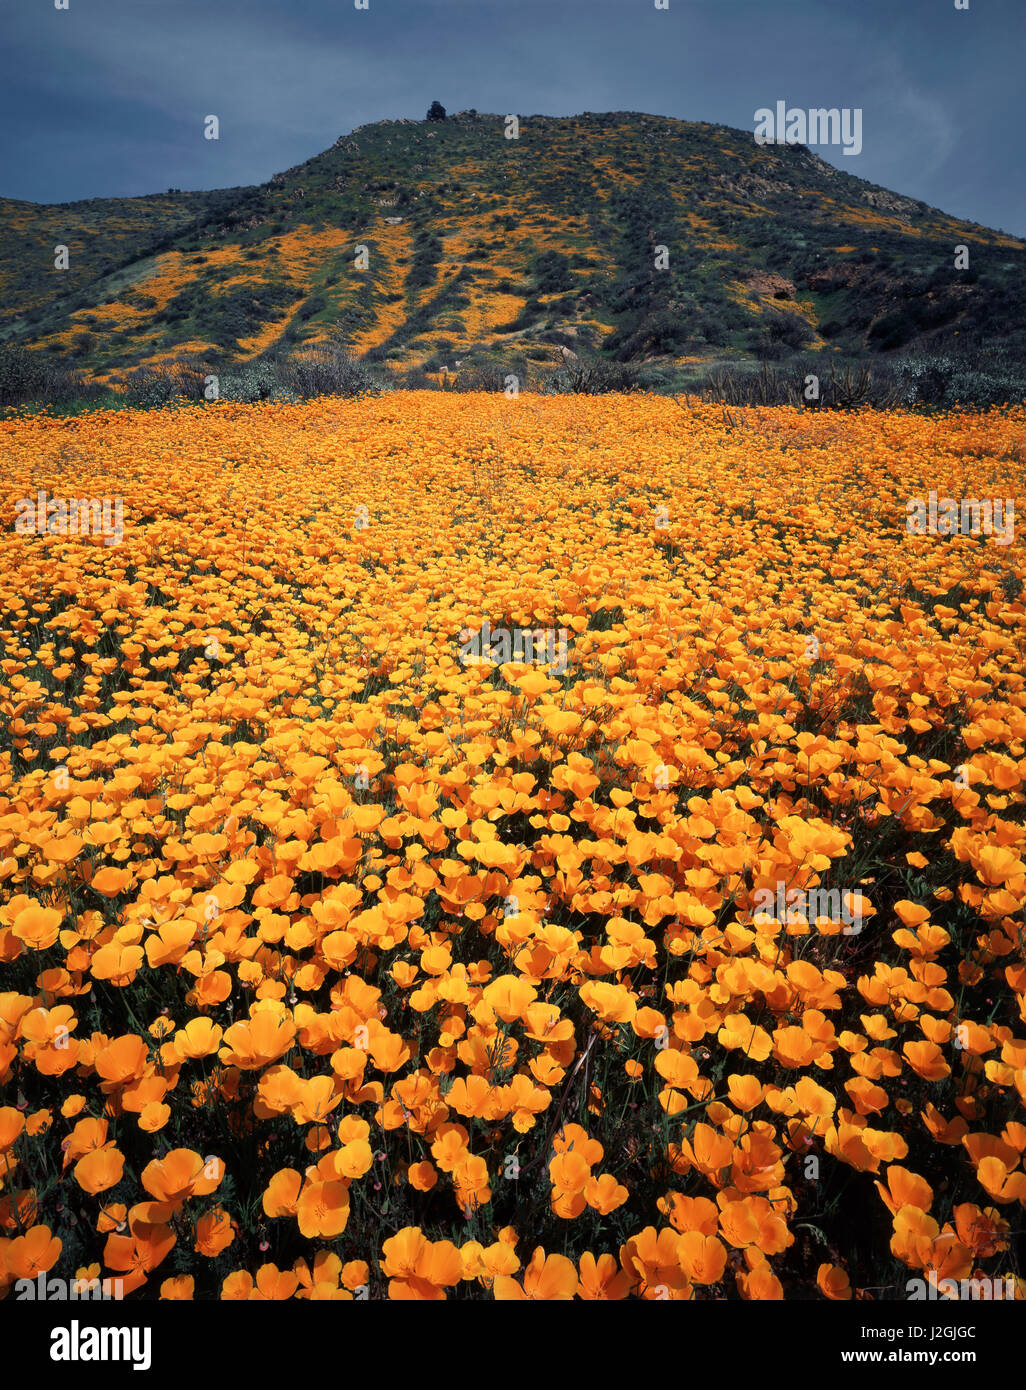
[334, 965]
[446, 240]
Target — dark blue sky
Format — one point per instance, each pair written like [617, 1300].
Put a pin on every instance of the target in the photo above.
[108, 97]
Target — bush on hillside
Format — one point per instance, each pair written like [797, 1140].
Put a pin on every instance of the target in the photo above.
[592, 377]
[327, 370]
[942, 380]
[929, 380]
[26, 378]
[152, 388]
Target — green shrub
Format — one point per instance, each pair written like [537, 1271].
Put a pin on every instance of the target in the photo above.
[329, 370]
[552, 273]
[313, 305]
[939, 380]
[22, 375]
[152, 388]
[27, 378]
[592, 377]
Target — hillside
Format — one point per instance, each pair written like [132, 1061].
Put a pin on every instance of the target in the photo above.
[479, 246]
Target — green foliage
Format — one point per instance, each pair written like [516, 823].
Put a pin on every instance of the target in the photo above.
[592, 377]
[26, 378]
[240, 313]
[329, 370]
[22, 375]
[552, 273]
[941, 380]
[152, 388]
[925, 381]
[316, 304]
[427, 253]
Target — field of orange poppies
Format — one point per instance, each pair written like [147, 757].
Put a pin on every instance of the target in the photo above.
[680, 955]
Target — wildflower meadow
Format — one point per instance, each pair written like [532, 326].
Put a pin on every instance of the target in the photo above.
[555, 848]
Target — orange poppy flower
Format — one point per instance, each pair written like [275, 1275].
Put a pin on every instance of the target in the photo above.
[282, 1195]
[323, 1209]
[252, 1043]
[547, 1278]
[37, 926]
[905, 1189]
[180, 1288]
[418, 1268]
[36, 1252]
[214, 1233]
[181, 1174]
[833, 1282]
[601, 1278]
[137, 1254]
[99, 1170]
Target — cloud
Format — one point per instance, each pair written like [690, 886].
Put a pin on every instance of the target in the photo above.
[109, 98]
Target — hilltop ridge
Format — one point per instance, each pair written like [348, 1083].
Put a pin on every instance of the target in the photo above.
[421, 240]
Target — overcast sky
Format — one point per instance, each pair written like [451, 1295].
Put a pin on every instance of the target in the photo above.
[108, 97]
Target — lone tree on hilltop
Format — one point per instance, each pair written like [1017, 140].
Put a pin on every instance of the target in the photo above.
[436, 111]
